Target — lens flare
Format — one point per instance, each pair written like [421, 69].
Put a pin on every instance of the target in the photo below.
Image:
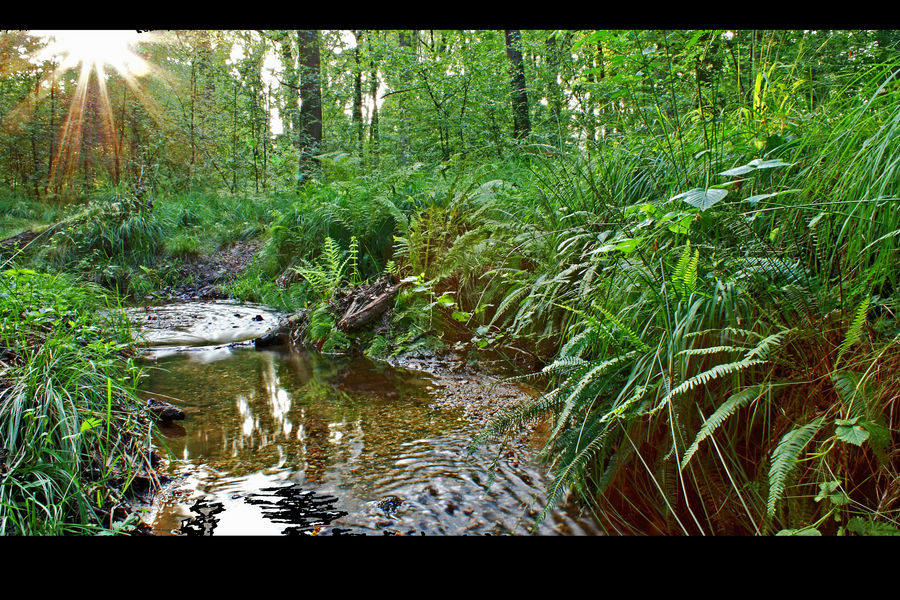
[95, 55]
[95, 50]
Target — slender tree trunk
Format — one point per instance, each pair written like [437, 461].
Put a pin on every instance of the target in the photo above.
[405, 47]
[120, 146]
[267, 128]
[311, 98]
[357, 91]
[554, 91]
[52, 134]
[35, 163]
[521, 123]
[373, 124]
[234, 160]
[193, 143]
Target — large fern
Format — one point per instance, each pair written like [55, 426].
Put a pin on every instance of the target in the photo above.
[855, 330]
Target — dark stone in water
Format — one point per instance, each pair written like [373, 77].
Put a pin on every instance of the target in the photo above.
[205, 522]
[165, 411]
[389, 504]
[172, 430]
[275, 338]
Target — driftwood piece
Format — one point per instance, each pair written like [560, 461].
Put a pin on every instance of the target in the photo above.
[355, 318]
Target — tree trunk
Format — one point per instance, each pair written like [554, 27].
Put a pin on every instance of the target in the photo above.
[357, 92]
[405, 46]
[521, 123]
[373, 124]
[311, 99]
[356, 318]
[290, 115]
[554, 91]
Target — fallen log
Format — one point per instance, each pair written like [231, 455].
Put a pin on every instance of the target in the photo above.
[355, 318]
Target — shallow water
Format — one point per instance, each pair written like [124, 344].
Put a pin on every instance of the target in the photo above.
[276, 442]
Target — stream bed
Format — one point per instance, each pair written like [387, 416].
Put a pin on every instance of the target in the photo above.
[279, 442]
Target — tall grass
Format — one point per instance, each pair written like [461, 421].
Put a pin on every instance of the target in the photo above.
[721, 366]
[73, 432]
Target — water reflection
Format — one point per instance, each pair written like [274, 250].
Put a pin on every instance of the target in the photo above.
[355, 431]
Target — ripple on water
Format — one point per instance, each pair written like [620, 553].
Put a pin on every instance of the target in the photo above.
[352, 439]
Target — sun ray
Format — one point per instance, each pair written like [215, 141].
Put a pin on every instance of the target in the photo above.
[95, 54]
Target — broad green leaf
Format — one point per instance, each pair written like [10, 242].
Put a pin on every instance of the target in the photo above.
[816, 219]
[806, 532]
[768, 164]
[603, 249]
[879, 436]
[754, 199]
[753, 165]
[742, 170]
[861, 526]
[628, 246]
[850, 433]
[90, 423]
[702, 198]
[831, 490]
[683, 226]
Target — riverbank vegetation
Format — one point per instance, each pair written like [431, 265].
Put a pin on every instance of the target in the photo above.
[689, 237]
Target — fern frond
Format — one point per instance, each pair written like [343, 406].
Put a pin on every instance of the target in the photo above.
[709, 350]
[565, 477]
[516, 418]
[734, 403]
[574, 393]
[705, 377]
[853, 334]
[508, 301]
[784, 459]
[564, 364]
[762, 348]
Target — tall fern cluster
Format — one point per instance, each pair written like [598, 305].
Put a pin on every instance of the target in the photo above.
[720, 365]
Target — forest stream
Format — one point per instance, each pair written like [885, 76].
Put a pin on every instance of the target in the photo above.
[278, 441]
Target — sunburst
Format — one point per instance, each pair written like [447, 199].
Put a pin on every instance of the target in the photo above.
[94, 55]
[95, 50]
